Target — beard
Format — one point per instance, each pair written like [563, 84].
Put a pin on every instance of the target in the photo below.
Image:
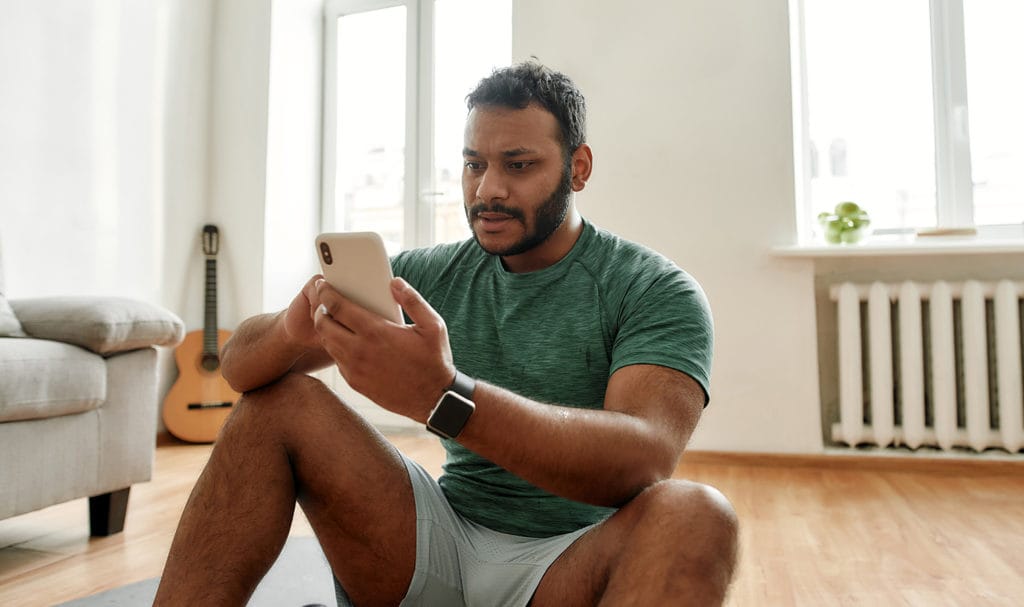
[546, 218]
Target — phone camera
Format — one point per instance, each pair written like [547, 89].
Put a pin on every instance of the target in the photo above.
[325, 252]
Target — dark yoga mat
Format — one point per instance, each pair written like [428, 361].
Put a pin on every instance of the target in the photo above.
[300, 577]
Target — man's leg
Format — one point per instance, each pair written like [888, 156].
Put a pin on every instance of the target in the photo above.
[287, 442]
[674, 544]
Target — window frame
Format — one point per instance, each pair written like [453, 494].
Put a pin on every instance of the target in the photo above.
[954, 186]
[954, 190]
[418, 218]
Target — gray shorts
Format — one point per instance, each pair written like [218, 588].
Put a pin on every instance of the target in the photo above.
[461, 563]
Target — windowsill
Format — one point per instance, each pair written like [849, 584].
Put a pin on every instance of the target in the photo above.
[905, 245]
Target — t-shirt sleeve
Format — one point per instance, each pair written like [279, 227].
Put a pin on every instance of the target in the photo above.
[404, 265]
[665, 320]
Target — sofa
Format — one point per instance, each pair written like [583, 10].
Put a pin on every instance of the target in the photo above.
[79, 401]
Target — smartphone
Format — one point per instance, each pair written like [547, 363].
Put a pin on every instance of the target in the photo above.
[357, 265]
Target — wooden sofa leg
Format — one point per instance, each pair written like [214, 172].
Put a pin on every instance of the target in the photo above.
[107, 512]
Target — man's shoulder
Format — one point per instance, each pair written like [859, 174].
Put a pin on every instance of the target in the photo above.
[609, 254]
[435, 261]
[630, 274]
[445, 251]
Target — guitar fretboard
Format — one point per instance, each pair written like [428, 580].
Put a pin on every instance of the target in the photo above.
[210, 325]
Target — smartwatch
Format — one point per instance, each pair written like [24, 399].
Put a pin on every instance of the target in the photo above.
[454, 408]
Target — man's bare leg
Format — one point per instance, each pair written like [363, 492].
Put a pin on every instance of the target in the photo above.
[287, 442]
[674, 544]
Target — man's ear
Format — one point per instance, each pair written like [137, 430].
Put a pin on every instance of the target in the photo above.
[582, 163]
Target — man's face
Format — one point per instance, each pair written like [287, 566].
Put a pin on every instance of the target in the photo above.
[516, 181]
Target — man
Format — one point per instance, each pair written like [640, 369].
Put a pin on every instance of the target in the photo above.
[568, 367]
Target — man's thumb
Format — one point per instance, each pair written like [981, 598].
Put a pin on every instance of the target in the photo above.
[417, 308]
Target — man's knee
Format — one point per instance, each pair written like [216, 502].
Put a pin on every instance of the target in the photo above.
[678, 497]
[695, 518]
[297, 388]
[287, 400]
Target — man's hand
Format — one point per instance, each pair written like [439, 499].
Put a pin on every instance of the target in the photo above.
[403, 368]
[300, 315]
[266, 347]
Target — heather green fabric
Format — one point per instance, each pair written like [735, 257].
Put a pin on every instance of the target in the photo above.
[555, 336]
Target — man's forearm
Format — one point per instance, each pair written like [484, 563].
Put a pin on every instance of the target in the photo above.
[594, 456]
[259, 353]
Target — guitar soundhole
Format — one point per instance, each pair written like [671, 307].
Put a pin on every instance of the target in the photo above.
[210, 362]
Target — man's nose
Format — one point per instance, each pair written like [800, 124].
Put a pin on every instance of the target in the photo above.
[492, 186]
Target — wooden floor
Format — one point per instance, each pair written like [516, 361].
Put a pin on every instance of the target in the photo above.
[815, 531]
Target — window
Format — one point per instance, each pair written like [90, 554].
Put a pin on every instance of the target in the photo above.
[396, 76]
[911, 109]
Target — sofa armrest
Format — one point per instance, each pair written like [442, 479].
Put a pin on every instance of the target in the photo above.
[105, 325]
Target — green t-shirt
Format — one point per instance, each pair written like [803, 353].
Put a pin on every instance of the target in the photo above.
[555, 336]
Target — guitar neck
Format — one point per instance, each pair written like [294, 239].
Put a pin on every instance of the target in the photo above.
[210, 324]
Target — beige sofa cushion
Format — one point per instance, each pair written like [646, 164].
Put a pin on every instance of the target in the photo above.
[9, 325]
[43, 378]
[105, 325]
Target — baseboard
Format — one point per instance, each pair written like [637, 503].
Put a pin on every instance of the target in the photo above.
[989, 463]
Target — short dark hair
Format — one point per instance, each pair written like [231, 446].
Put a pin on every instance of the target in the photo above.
[517, 86]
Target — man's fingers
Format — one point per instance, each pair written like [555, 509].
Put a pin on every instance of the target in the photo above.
[335, 338]
[310, 292]
[327, 326]
[415, 306]
[345, 311]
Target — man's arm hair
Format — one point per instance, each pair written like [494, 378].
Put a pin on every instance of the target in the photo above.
[601, 457]
[259, 353]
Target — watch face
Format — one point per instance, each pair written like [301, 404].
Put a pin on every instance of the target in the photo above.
[450, 415]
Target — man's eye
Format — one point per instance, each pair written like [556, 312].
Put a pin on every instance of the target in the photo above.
[473, 166]
[519, 165]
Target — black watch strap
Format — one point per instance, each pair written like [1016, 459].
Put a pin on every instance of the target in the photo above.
[463, 385]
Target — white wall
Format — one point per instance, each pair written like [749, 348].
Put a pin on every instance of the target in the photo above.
[128, 125]
[186, 128]
[689, 118]
[103, 158]
[263, 182]
[292, 217]
[238, 152]
[80, 150]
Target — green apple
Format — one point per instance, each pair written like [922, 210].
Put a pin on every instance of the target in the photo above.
[847, 209]
[834, 231]
[846, 225]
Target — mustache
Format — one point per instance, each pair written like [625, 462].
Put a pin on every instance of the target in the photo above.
[497, 207]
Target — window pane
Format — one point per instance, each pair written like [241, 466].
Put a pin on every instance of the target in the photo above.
[369, 190]
[995, 98]
[471, 38]
[870, 109]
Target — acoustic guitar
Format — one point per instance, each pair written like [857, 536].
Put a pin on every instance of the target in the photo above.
[201, 399]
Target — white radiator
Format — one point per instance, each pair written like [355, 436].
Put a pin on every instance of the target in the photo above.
[930, 364]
